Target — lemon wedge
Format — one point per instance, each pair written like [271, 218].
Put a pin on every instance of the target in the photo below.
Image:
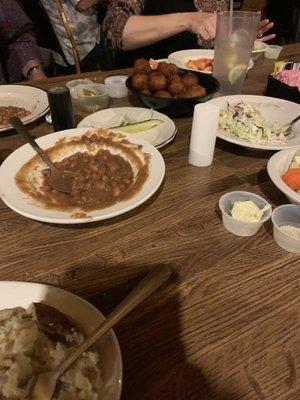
[88, 92]
[236, 72]
[230, 55]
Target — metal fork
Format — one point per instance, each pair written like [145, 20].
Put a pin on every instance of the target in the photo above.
[290, 126]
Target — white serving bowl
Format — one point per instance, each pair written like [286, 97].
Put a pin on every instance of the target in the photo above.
[261, 48]
[278, 164]
[85, 315]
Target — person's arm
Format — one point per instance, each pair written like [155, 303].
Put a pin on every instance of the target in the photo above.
[140, 31]
[125, 28]
[16, 31]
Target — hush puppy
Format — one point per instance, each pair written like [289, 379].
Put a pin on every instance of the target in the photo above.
[157, 81]
[139, 81]
[195, 91]
[175, 87]
[146, 92]
[163, 67]
[142, 65]
[189, 79]
[163, 94]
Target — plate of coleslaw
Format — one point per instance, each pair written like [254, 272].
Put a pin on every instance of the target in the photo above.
[258, 122]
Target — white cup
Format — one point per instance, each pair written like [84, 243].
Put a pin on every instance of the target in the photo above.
[116, 86]
[287, 214]
[241, 228]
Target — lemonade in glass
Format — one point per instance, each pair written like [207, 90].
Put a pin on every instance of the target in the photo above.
[235, 37]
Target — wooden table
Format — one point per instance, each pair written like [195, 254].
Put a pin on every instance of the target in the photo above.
[227, 324]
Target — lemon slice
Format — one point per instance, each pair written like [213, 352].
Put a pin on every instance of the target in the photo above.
[236, 72]
[230, 55]
[88, 92]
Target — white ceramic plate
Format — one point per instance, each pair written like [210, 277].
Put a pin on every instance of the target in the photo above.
[159, 136]
[278, 164]
[22, 294]
[28, 97]
[18, 201]
[180, 58]
[274, 110]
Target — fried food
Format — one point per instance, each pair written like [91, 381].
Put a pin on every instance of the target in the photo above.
[146, 92]
[166, 81]
[176, 77]
[175, 87]
[163, 94]
[195, 91]
[142, 65]
[173, 69]
[201, 64]
[167, 69]
[163, 67]
[189, 79]
[157, 81]
[139, 81]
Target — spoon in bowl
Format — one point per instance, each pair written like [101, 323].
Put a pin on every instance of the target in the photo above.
[46, 382]
[60, 180]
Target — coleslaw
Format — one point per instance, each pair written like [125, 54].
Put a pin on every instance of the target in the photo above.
[247, 122]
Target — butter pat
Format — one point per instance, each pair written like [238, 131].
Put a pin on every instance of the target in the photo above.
[247, 211]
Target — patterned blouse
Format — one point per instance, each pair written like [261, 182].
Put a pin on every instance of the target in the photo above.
[17, 40]
[119, 11]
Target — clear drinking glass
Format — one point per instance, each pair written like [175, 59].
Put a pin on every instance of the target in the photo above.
[234, 41]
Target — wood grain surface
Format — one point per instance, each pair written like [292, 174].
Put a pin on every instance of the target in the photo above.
[226, 326]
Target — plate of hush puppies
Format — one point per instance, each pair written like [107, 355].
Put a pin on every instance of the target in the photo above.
[166, 88]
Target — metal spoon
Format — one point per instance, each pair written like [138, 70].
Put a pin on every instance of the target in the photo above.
[46, 382]
[59, 180]
[290, 126]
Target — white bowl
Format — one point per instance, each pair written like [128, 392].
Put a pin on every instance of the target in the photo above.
[278, 164]
[262, 47]
[85, 315]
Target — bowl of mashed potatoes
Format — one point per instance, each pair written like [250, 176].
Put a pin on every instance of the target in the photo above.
[39, 325]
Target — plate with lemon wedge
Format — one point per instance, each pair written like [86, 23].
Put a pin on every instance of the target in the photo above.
[196, 59]
[150, 125]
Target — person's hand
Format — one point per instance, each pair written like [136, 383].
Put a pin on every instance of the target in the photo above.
[84, 5]
[36, 74]
[264, 26]
[203, 24]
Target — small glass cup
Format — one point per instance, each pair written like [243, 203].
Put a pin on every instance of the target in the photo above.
[287, 214]
[234, 41]
[272, 52]
[241, 228]
[73, 85]
[92, 97]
